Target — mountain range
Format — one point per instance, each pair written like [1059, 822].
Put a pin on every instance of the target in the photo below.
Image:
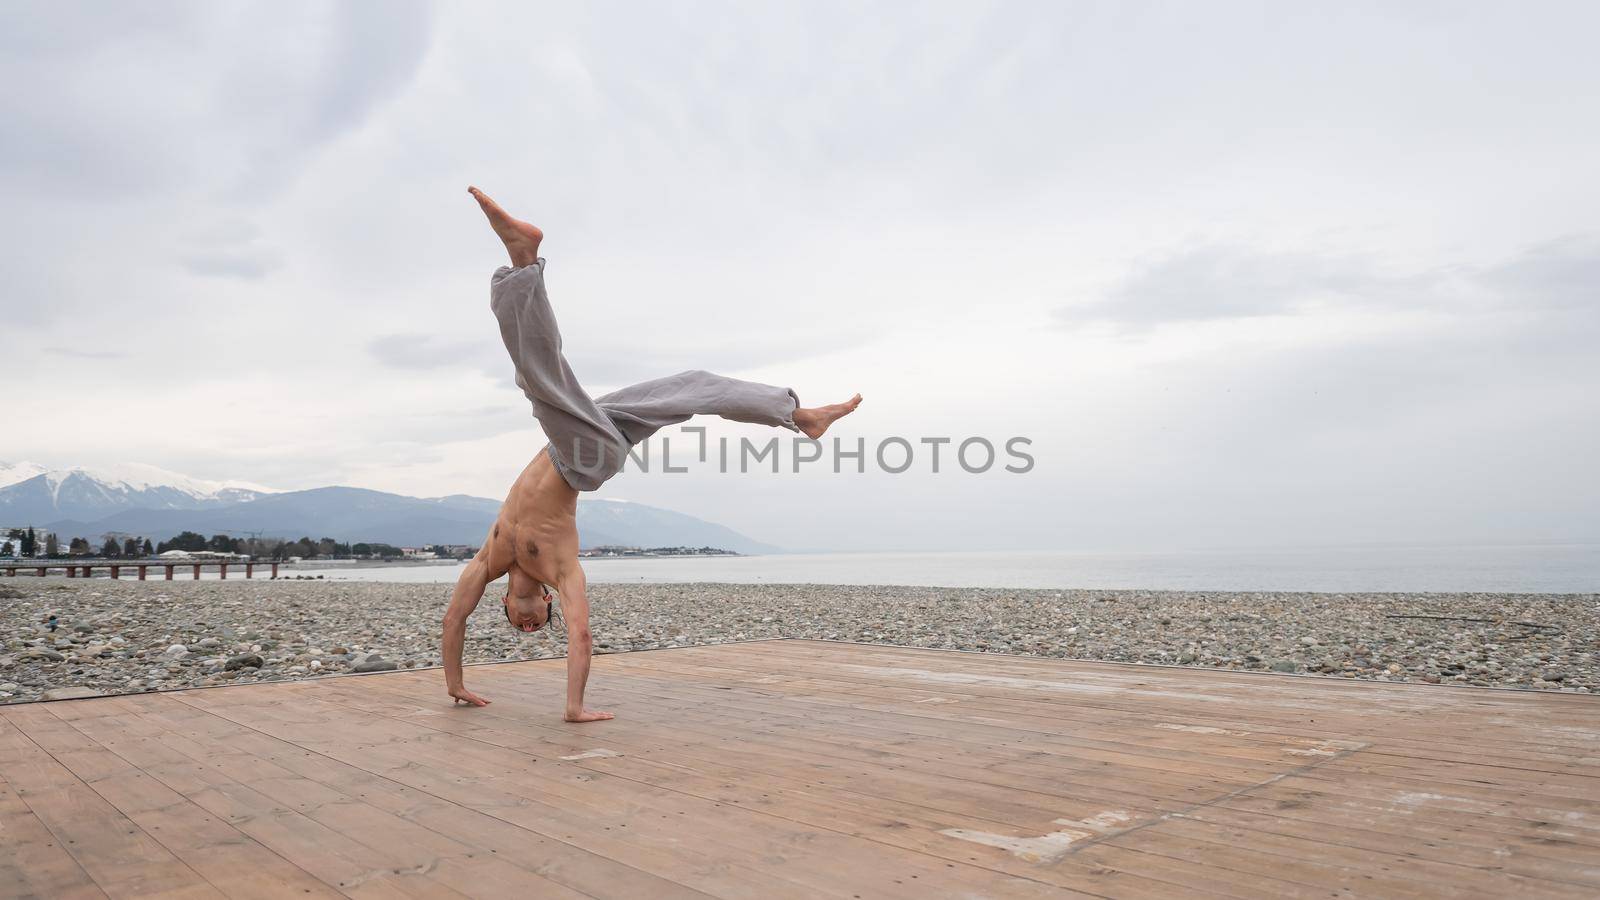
[151, 502]
[33, 493]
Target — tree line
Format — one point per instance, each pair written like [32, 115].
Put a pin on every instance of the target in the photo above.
[274, 548]
[25, 543]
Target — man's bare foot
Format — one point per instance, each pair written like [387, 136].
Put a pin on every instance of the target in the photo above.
[462, 695]
[521, 239]
[587, 715]
[813, 423]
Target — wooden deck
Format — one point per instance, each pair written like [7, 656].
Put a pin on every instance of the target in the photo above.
[807, 769]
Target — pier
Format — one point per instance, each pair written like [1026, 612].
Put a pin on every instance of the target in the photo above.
[85, 568]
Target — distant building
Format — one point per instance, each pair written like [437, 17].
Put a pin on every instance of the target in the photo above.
[608, 550]
[418, 553]
[201, 554]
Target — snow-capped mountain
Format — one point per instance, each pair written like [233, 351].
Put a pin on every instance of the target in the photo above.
[151, 502]
[30, 493]
[11, 473]
[357, 514]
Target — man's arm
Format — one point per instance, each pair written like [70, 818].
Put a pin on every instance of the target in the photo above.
[580, 645]
[469, 590]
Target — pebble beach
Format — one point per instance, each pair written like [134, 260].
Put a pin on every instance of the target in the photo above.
[114, 637]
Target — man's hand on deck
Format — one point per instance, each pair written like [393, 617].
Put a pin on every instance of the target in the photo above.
[587, 715]
[462, 695]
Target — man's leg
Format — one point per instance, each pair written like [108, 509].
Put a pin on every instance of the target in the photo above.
[642, 409]
[584, 446]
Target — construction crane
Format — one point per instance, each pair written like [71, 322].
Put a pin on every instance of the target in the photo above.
[254, 537]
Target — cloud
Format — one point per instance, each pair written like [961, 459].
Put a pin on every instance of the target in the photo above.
[225, 97]
[632, 362]
[269, 197]
[76, 353]
[1559, 274]
[231, 248]
[1219, 283]
[430, 351]
[1214, 282]
[246, 265]
[431, 428]
[610, 366]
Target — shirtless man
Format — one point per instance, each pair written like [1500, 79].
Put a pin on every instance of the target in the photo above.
[535, 538]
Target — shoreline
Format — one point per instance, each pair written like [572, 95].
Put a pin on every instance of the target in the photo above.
[317, 565]
[1566, 569]
[121, 636]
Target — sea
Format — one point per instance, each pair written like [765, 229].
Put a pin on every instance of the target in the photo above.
[1544, 568]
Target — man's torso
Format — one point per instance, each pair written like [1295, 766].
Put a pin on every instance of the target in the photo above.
[537, 529]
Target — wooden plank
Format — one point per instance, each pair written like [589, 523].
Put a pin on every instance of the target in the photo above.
[1493, 804]
[774, 849]
[824, 754]
[219, 743]
[1315, 863]
[1081, 714]
[1489, 784]
[1556, 784]
[1400, 788]
[874, 816]
[236, 864]
[465, 786]
[217, 852]
[433, 860]
[32, 862]
[813, 769]
[1468, 831]
[1520, 856]
[1216, 876]
[120, 857]
[1302, 702]
[322, 853]
[1273, 694]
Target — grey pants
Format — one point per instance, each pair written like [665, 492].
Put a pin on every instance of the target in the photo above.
[589, 438]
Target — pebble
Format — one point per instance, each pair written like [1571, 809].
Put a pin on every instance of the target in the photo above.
[139, 635]
[374, 663]
[68, 693]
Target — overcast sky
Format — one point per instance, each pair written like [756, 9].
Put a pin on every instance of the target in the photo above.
[1246, 274]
